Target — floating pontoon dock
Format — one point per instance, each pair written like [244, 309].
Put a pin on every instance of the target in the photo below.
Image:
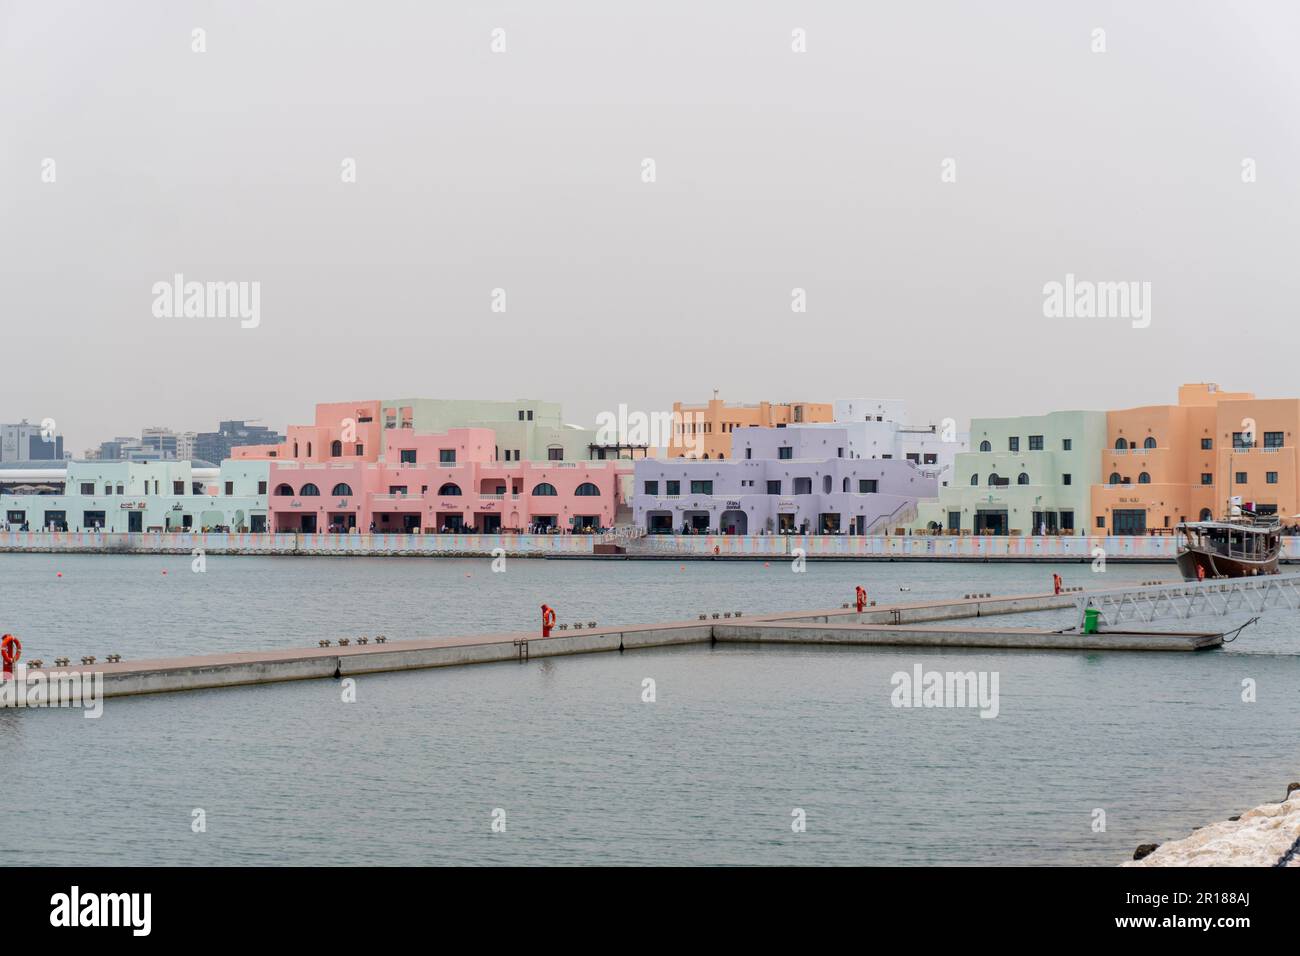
[915, 624]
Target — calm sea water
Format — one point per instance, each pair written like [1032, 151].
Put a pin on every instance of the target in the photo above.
[584, 770]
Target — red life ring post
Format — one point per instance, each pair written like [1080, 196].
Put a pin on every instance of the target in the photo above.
[11, 651]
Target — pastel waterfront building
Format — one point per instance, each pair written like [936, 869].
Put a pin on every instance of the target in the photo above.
[877, 428]
[1162, 464]
[705, 431]
[781, 480]
[1023, 475]
[121, 496]
[524, 429]
[452, 481]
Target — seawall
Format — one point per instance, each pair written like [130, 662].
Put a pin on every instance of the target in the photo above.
[1153, 549]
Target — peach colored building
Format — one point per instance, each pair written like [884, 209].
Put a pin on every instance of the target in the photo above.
[704, 431]
[1168, 463]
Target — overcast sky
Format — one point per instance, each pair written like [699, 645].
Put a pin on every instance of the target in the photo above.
[523, 171]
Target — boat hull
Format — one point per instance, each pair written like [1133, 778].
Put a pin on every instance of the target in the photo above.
[1219, 566]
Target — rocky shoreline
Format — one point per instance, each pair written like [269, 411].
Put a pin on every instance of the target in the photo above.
[1268, 835]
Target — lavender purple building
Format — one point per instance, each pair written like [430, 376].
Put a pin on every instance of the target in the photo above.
[794, 479]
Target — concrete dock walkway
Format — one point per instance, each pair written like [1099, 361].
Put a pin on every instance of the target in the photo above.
[913, 624]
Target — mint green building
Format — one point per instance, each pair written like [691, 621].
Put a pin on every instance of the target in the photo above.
[126, 496]
[526, 429]
[1026, 475]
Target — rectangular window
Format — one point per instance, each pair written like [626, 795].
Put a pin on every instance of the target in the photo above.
[555, 454]
[408, 456]
[1270, 477]
[178, 487]
[88, 488]
[866, 486]
[361, 450]
[673, 488]
[1101, 521]
[1067, 520]
[701, 487]
[1013, 443]
[1035, 442]
[803, 486]
[749, 453]
[1241, 478]
[1239, 440]
[521, 414]
[108, 489]
[261, 487]
[1207, 444]
[914, 457]
[397, 489]
[931, 458]
[652, 487]
[530, 414]
[1273, 439]
[447, 456]
[230, 488]
[785, 453]
[1207, 478]
[774, 487]
[1067, 444]
[1065, 479]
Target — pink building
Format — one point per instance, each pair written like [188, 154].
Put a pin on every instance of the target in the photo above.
[343, 430]
[432, 483]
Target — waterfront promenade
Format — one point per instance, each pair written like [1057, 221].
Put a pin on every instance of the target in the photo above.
[670, 547]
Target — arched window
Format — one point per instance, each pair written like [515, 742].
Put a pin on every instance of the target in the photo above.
[308, 449]
[545, 489]
[585, 490]
[975, 480]
[705, 455]
[336, 449]
[846, 485]
[1022, 478]
[1114, 478]
[310, 491]
[284, 491]
[1120, 444]
[1144, 479]
[826, 484]
[295, 449]
[1205, 514]
[994, 479]
[450, 490]
[1149, 443]
[985, 446]
[343, 490]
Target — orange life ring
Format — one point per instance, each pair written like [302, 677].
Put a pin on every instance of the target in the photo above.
[11, 649]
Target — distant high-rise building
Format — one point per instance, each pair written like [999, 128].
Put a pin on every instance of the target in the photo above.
[25, 442]
[215, 446]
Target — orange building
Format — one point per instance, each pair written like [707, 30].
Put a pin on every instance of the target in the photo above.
[704, 431]
[1168, 463]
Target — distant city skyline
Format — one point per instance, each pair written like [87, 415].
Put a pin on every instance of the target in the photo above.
[923, 182]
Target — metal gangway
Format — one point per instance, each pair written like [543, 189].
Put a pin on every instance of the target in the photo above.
[1188, 599]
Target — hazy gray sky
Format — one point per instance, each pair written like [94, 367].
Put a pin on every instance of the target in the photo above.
[522, 170]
